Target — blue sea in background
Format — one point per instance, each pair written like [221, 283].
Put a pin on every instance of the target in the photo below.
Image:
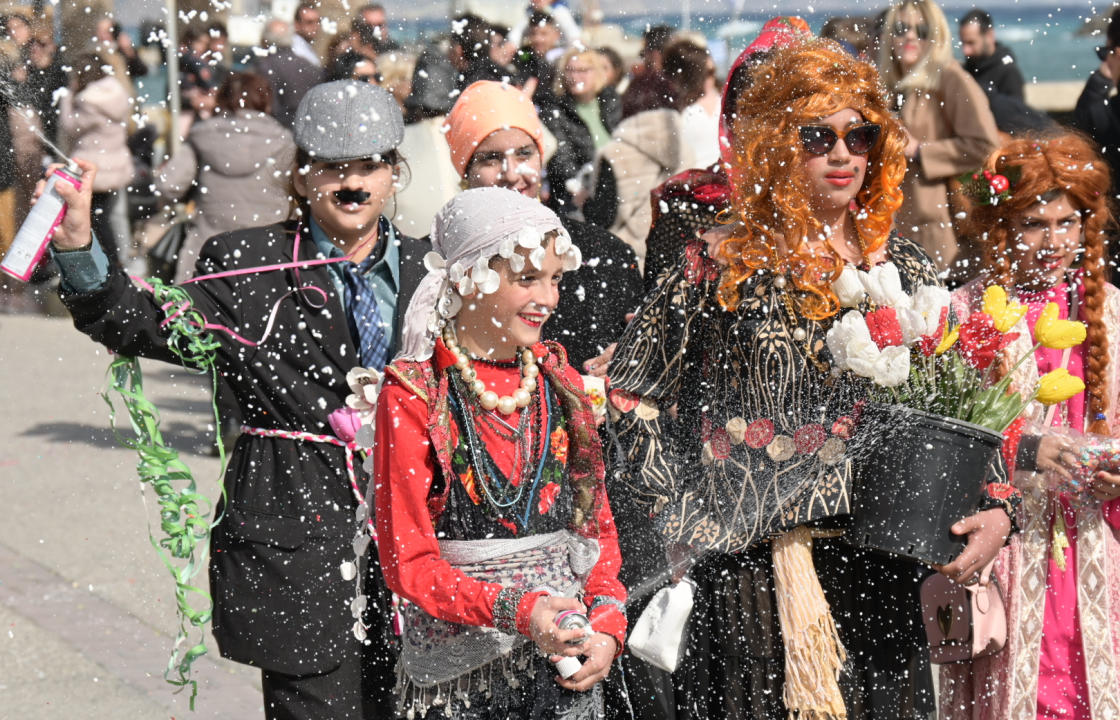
[1043, 39]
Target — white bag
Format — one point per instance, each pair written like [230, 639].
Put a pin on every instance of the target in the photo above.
[658, 636]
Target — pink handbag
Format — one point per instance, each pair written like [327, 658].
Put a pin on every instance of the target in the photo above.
[963, 621]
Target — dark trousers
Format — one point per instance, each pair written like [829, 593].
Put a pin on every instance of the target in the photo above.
[361, 688]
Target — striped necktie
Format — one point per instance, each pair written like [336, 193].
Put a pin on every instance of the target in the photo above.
[364, 316]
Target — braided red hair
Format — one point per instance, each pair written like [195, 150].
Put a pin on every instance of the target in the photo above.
[1060, 164]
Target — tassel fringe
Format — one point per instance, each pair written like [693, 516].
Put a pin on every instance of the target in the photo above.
[416, 700]
[813, 652]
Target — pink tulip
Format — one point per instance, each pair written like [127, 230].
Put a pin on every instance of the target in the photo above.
[345, 423]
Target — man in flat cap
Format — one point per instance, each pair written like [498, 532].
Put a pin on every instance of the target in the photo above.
[291, 510]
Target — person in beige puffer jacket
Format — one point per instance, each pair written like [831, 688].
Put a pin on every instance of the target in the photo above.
[236, 163]
[645, 150]
[93, 126]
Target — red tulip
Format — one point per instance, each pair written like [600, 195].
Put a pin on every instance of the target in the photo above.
[884, 328]
[980, 340]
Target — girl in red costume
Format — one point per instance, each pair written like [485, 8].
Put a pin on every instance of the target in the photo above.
[491, 508]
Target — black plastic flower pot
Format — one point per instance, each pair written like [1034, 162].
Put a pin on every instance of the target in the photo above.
[917, 475]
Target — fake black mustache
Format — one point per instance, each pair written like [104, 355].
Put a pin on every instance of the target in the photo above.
[351, 196]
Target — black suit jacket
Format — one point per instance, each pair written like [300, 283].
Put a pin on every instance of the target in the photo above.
[280, 601]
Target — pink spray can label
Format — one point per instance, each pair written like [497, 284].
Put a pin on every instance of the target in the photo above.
[46, 215]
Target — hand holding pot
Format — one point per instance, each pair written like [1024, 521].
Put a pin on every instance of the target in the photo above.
[987, 532]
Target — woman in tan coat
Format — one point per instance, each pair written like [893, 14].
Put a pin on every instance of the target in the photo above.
[950, 126]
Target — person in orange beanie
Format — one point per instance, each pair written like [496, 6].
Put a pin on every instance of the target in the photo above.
[497, 140]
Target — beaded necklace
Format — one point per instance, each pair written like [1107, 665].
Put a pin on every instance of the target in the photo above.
[493, 419]
[798, 333]
[499, 490]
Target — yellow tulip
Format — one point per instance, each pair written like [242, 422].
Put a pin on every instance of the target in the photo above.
[947, 341]
[1058, 386]
[1058, 334]
[1004, 313]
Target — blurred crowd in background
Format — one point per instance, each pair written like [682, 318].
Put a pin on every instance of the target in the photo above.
[618, 126]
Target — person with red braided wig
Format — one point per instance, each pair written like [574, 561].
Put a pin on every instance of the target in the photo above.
[1044, 240]
[739, 437]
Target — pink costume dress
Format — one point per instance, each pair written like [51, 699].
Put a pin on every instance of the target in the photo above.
[1062, 659]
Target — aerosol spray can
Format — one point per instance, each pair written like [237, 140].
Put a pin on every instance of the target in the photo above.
[46, 215]
[571, 620]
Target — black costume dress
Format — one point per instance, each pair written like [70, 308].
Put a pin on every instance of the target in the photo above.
[736, 430]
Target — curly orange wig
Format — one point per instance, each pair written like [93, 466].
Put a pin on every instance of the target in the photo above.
[797, 86]
[1048, 167]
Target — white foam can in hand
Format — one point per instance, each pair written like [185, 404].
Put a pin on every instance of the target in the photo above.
[571, 620]
[567, 666]
[46, 215]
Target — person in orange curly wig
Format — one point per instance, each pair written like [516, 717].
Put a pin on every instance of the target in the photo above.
[807, 206]
[739, 433]
[1040, 206]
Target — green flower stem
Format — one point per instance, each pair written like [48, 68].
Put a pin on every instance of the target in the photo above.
[995, 408]
[1006, 380]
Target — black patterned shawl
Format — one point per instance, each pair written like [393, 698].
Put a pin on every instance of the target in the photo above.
[731, 433]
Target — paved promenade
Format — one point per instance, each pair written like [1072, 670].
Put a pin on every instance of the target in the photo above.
[86, 607]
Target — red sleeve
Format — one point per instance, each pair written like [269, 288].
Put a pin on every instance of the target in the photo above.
[410, 558]
[1010, 448]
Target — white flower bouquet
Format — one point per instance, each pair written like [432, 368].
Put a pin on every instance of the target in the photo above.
[905, 346]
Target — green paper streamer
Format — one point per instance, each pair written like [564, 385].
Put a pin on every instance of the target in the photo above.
[184, 511]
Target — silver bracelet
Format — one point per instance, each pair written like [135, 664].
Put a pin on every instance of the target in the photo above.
[601, 600]
[505, 609]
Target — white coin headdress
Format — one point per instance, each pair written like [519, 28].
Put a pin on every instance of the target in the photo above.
[467, 233]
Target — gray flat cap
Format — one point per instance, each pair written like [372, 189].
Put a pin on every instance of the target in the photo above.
[347, 120]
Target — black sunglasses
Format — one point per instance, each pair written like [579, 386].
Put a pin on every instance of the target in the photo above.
[820, 139]
[921, 30]
[1103, 51]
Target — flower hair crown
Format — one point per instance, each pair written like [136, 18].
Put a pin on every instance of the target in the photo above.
[988, 188]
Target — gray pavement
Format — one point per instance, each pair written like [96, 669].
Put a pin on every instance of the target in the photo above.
[87, 611]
